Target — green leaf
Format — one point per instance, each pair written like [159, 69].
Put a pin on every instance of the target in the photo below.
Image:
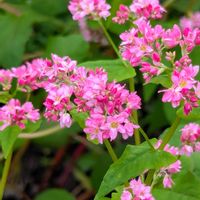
[14, 34]
[164, 80]
[32, 126]
[115, 69]
[49, 7]
[8, 137]
[13, 86]
[72, 45]
[193, 115]
[134, 161]
[4, 97]
[186, 187]
[79, 117]
[52, 194]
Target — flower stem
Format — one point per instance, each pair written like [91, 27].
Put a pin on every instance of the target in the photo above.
[168, 3]
[110, 151]
[131, 80]
[170, 133]
[109, 38]
[39, 134]
[5, 174]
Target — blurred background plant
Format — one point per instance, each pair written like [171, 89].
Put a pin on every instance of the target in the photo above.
[65, 165]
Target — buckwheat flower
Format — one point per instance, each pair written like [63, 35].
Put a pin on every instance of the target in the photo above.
[172, 37]
[122, 14]
[191, 22]
[147, 9]
[168, 171]
[13, 113]
[190, 39]
[167, 181]
[190, 139]
[65, 120]
[197, 90]
[57, 101]
[183, 86]
[95, 9]
[94, 128]
[5, 79]
[137, 191]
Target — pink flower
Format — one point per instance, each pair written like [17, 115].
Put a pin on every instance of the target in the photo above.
[168, 171]
[65, 120]
[190, 139]
[191, 22]
[122, 14]
[172, 37]
[126, 195]
[13, 113]
[167, 181]
[190, 133]
[147, 8]
[137, 191]
[95, 9]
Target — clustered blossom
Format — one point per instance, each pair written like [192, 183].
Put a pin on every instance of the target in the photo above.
[190, 139]
[13, 113]
[191, 22]
[174, 168]
[94, 9]
[144, 46]
[69, 87]
[139, 8]
[184, 86]
[137, 191]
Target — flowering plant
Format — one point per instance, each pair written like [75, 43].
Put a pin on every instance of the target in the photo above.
[102, 98]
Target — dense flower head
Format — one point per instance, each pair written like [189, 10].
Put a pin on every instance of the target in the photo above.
[168, 171]
[13, 113]
[122, 14]
[184, 85]
[94, 9]
[190, 138]
[108, 104]
[144, 46]
[137, 191]
[191, 22]
[147, 8]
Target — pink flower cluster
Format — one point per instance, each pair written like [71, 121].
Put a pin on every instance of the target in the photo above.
[184, 86]
[144, 46]
[109, 105]
[139, 8]
[191, 22]
[94, 9]
[13, 113]
[137, 191]
[168, 171]
[69, 87]
[190, 139]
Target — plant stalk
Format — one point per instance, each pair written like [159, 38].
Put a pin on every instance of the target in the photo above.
[170, 133]
[5, 174]
[110, 150]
